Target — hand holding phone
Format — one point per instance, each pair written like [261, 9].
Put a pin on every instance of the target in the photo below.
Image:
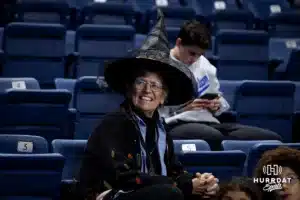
[209, 96]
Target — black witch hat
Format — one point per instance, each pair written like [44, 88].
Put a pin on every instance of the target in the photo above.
[154, 55]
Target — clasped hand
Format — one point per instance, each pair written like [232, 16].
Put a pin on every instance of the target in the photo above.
[205, 185]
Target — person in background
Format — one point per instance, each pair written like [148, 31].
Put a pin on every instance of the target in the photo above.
[289, 160]
[240, 188]
[197, 119]
[129, 156]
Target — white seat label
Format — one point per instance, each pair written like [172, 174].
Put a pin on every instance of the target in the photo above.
[220, 5]
[100, 1]
[291, 44]
[21, 85]
[188, 147]
[275, 9]
[161, 3]
[25, 147]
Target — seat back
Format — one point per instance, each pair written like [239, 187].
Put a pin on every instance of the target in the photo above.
[73, 151]
[257, 151]
[228, 89]
[99, 43]
[43, 57]
[266, 104]
[67, 84]
[37, 112]
[224, 14]
[174, 16]
[30, 176]
[92, 102]
[243, 54]
[109, 13]
[293, 71]
[280, 48]
[23, 144]
[43, 11]
[297, 96]
[223, 164]
[18, 83]
[245, 146]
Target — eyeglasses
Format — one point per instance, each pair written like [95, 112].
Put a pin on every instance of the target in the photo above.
[140, 84]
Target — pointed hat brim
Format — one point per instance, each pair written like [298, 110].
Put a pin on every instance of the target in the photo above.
[178, 79]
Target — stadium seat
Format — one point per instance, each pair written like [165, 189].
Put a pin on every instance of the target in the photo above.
[281, 19]
[43, 11]
[1, 36]
[222, 164]
[18, 83]
[245, 146]
[108, 13]
[280, 49]
[23, 144]
[80, 4]
[190, 146]
[292, 71]
[73, 151]
[98, 43]
[92, 102]
[174, 16]
[2, 59]
[243, 54]
[62, 83]
[297, 96]
[223, 14]
[257, 151]
[43, 57]
[37, 112]
[30, 176]
[146, 5]
[67, 84]
[228, 89]
[266, 104]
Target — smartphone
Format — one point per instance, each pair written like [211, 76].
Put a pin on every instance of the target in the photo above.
[209, 96]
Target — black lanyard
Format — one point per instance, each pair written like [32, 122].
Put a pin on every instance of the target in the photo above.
[151, 171]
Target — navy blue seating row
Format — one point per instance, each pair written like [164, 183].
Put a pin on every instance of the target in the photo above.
[235, 14]
[268, 104]
[37, 112]
[236, 159]
[52, 52]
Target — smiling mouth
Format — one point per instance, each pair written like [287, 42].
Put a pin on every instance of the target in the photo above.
[145, 98]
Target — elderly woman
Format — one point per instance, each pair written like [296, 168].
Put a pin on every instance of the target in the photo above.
[129, 155]
[289, 160]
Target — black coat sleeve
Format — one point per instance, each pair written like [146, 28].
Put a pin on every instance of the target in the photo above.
[106, 163]
[176, 170]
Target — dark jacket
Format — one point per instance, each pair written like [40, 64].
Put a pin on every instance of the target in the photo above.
[111, 159]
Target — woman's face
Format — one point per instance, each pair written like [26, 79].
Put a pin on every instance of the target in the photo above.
[290, 191]
[148, 93]
[236, 195]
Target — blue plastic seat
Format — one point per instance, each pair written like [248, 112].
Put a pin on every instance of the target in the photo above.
[73, 151]
[23, 144]
[30, 176]
[37, 112]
